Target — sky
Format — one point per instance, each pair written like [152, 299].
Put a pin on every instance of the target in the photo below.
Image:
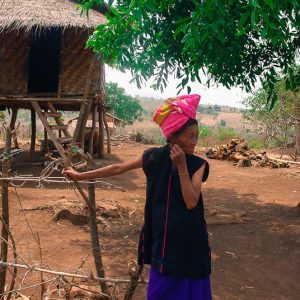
[213, 95]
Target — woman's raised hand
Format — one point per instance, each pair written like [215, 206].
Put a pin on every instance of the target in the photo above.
[177, 155]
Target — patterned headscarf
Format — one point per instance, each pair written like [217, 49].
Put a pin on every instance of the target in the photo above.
[177, 111]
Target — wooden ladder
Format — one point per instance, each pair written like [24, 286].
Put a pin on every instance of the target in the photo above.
[58, 141]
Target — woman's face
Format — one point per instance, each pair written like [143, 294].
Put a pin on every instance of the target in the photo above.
[188, 139]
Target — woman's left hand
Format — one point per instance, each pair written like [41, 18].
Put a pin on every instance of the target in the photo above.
[177, 155]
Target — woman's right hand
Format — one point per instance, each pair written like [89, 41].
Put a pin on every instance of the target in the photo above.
[71, 174]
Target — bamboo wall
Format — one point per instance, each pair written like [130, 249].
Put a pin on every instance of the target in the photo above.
[74, 63]
[13, 62]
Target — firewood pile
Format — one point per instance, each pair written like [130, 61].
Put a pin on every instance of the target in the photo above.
[139, 138]
[238, 152]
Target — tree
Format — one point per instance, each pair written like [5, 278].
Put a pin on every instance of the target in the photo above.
[231, 42]
[124, 106]
[282, 123]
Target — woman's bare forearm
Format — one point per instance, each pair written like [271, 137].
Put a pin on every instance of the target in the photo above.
[112, 170]
[188, 193]
[190, 187]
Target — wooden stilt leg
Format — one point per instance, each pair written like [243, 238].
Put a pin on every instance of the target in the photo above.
[33, 134]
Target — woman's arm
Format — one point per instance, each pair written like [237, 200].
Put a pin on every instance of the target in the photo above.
[112, 170]
[190, 188]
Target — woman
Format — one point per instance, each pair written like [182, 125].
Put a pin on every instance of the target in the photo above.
[174, 240]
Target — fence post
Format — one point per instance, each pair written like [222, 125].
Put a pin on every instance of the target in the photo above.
[5, 206]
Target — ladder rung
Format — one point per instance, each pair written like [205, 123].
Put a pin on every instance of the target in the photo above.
[65, 140]
[59, 127]
[53, 115]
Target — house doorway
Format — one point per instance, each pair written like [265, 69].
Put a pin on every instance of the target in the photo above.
[44, 61]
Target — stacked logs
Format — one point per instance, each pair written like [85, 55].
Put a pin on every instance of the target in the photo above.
[238, 152]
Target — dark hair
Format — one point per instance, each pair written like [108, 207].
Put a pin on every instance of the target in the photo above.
[189, 123]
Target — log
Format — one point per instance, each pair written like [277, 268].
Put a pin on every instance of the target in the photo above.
[285, 161]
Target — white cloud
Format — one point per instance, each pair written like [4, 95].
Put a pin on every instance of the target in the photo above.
[213, 95]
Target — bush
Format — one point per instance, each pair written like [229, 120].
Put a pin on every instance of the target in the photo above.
[205, 134]
[223, 123]
[224, 134]
[254, 141]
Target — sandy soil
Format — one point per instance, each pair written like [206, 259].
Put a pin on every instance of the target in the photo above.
[253, 221]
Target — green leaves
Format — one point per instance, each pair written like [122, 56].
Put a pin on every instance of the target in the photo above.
[233, 42]
[124, 106]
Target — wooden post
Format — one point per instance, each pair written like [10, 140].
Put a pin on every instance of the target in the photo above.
[101, 132]
[5, 207]
[95, 237]
[101, 99]
[297, 137]
[83, 124]
[91, 140]
[12, 126]
[78, 125]
[88, 85]
[107, 134]
[46, 149]
[33, 134]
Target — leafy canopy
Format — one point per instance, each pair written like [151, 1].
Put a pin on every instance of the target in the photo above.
[124, 106]
[232, 42]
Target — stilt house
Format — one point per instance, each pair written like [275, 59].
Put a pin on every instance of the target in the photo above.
[45, 67]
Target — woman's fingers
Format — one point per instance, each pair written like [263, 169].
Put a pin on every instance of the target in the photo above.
[177, 154]
[70, 173]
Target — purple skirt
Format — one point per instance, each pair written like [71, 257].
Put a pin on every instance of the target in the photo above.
[163, 287]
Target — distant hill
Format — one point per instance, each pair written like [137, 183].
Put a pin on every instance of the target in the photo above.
[210, 115]
[150, 104]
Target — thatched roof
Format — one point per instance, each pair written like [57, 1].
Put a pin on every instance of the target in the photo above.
[40, 14]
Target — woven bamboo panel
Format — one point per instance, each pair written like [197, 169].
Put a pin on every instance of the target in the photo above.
[13, 62]
[75, 63]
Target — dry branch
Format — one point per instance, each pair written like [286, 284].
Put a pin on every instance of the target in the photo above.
[33, 268]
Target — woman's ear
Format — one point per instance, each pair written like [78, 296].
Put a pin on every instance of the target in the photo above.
[172, 139]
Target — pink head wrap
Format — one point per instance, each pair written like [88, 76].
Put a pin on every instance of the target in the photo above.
[178, 110]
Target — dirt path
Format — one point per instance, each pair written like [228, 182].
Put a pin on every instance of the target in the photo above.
[253, 223]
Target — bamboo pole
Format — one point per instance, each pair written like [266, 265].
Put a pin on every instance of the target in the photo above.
[5, 207]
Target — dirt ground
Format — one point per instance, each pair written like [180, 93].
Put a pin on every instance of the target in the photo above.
[253, 217]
